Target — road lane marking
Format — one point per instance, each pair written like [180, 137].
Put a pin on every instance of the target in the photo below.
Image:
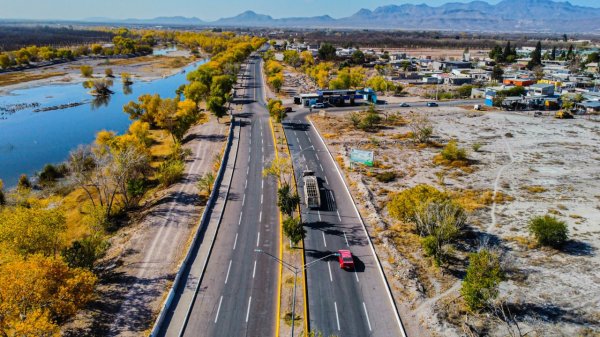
[309, 140]
[235, 241]
[337, 318]
[306, 132]
[246, 184]
[260, 216]
[319, 213]
[367, 314]
[324, 242]
[317, 155]
[248, 311]
[228, 269]
[321, 166]
[254, 270]
[330, 275]
[243, 200]
[247, 170]
[218, 309]
[262, 183]
[300, 147]
[346, 238]
[297, 139]
[261, 198]
[326, 181]
[257, 239]
[240, 221]
[356, 275]
[338, 214]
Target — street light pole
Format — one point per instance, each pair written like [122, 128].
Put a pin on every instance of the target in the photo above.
[296, 271]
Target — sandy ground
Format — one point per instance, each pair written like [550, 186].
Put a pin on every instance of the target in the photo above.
[145, 68]
[551, 293]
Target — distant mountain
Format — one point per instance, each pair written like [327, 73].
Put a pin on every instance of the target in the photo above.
[506, 16]
[161, 20]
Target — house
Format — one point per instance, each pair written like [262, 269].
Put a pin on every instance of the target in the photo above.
[590, 107]
[431, 80]
[450, 65]
[542, 89]
[592, 67]
[519, 81]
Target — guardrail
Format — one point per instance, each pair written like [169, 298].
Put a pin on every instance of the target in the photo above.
[204, 220]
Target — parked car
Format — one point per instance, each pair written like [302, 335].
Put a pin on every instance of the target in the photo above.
[346, 259]
[405, 105]
[432, 104]
[288, 109]
[318, 106]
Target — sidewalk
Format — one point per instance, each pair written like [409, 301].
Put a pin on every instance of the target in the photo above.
[201, 252]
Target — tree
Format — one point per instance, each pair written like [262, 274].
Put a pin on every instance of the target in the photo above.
[206, 182]
[327, 52]
[536, 57]
[484, 275]
[570, 53]
[276, 110]
[108, 72]
[276, 81]
[216, 105]
[553, 54]
[358, 57]
[280, 168]
[126, 78]
[286, 201]
[549, 231]
[24, 183]
[83, 253]
[4, 61]
[439, 223]
[405, 205]
[307, 58]
[86, 71]
[497, 73]
[293, 230]
[292, 58]
[196, 91]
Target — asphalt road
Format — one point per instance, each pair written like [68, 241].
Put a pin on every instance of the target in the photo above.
[237, 295]
[342, 303]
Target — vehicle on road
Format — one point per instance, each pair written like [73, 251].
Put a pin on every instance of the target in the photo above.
[312, 196]
[405, 105]
[432, 104]
[318, 106]
[288, 109]
[346, 259]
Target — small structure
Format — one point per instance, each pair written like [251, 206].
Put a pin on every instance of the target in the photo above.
[541, 89]
[590, 107]
[519, 82]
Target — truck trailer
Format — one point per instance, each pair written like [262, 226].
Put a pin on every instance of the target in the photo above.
[312, 196]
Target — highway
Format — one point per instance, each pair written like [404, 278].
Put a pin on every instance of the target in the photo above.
[237, 294]
[342, 303]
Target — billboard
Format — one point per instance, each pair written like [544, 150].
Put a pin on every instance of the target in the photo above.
[361, 156]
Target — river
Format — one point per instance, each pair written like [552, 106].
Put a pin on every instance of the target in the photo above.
[29, 140]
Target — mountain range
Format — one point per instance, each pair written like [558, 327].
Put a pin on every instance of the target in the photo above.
[505, 16]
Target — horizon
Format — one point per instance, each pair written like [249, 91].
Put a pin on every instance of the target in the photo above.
[139, 9]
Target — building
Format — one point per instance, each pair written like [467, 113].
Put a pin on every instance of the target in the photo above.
[450, 65]
[592, 67]
[519, 82]
[541, 89]
[590, 107]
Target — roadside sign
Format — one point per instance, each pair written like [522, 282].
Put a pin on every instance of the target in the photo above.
[361, 156]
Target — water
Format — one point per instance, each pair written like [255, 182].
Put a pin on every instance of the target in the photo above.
[164, 51]
[29, 140]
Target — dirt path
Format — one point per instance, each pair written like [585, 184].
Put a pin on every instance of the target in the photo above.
[148, 254]
[497, 180]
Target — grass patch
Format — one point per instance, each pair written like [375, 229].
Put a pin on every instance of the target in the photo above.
[21, 77]
[536, 189]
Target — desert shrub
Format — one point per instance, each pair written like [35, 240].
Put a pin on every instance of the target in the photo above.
[406, 204]
[355, 118]
[548, 230]
[50, 174]
[86, 71]
[421, 129]
[452, 152]
[83, 253]
[170, 171]
[386, 177]
[476, 147]
[108, 72]
[293, 230]
[370, 122]
[480, 285]
[24, 182]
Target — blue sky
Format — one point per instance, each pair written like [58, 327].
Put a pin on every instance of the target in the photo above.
[204, 9]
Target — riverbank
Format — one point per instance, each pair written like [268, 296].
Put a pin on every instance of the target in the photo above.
[143, 68]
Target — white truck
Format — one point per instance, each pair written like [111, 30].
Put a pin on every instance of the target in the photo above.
[312, 196]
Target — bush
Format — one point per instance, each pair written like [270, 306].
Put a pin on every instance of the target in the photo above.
[370, 122]
[476, 147]
[83, 253]
[480, 285]
[108, 72]
[50, 174]
[86, 71]
[24, 182]
[405, 205]
[293, 229]
[386, 177]
[452, 152]
[549, 231]
[170, 171]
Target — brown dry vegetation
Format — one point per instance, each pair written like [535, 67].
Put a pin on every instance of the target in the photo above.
[26, 76]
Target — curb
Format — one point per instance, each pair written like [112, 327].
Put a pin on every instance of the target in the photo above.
[379, 266]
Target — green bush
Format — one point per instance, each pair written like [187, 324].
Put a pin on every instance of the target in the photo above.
[406, 204]
[293, 230]
[549, 231]
[50, 174]
[170, 171]
[480, 285]
[452, 152]
[83, 253]
[86, 71]
[476, 147]
[386, 177]
[24, 182]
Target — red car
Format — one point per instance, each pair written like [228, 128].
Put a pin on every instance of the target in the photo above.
[345, 258]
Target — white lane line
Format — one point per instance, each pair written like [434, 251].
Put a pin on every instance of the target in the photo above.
[309, 140]
[260, 216]
[228, 269]
[218, 309]
[317, 155]
[297, 139]
[262, 183]
[339, 217]
[246, 184]
[254, 270]
[235, 241]
[240, 221]
[247, 170]
[367, 314]
[326, 181]
[330, 275]
[319, 213]
[248, 160]
[257, 239]
[300, 147]
[346, 238]
[261, 198]
[243, 200]
[356, 275]
[332, 197]
[337, 318]
[321, 166]
[324, 242]
[248, 311]
[306, 132]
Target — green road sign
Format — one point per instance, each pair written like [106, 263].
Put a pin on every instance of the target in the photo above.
[362, 157]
